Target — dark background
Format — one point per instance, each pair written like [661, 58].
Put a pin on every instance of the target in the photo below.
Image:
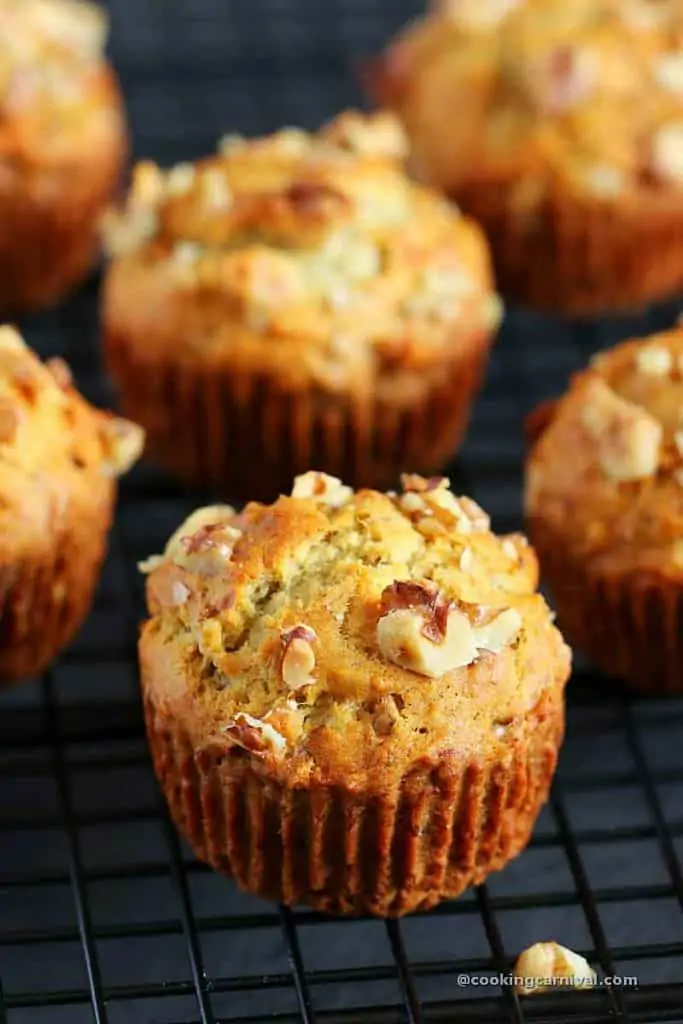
[104, 915]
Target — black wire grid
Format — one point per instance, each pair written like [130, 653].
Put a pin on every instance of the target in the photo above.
[105, 916]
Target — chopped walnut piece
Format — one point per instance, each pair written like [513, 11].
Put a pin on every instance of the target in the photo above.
[10, 418]
[385, 714]
[404, 594]
[180, 179]
[476, 14]
[466, 560]
[401, 639]
[60, 372]
[208, 549]
[547, 964]
[413, 482]
[628, 439]
[216, 192]
[509, 549]
[495, 634]
[179, 592]
[412, 503]
[321, 487]
[479, 520]
[254, 735]
[298, 657]
[200, 518]
[379, 135]
[124, 442]
[654, 360]
[667, 153]
[11, 340]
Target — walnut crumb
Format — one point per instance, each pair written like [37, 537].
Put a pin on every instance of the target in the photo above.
[10, 418]
[124, 442]
[298, 656]
[547, 964]
[327, 490]
[60, 372]
[654, 360]
[254, 735]
[628, 439]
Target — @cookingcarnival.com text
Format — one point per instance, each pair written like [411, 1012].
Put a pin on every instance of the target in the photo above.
[511, 981]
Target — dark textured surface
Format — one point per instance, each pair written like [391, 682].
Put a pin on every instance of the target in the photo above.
[103, 915]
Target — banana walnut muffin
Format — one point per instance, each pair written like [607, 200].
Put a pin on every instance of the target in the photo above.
[59, 459]
[63, 143]
[296, 302]
[353, 700]
[604, 500]
[558, 124]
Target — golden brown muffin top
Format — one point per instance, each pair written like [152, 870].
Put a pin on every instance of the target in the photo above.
[317, 243]
[587, 92]
[606, 471]
[336, 630]
[55, 448]
[52, 77]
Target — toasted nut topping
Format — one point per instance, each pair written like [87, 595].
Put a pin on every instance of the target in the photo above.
[509, 548]
[401, 640]
[215, 190]
[180, 179]
[61, 372]
[11, 340]
[148, 187]
[412, 503]
[413, 482]
[669, 72]
[654, 360]
[495, 635]
[179, 592]
[123, 442]
[404, 594]
[208, 550]
[385, 714]
[478, 519]
[298, 656]
[176, 548]
[321, 487]
[667, 153]
[230, 142]
[476, 14]
[466, 560]
[546, 964]
[379, 135]
[628, 439]
[10, 417]
[254, 735]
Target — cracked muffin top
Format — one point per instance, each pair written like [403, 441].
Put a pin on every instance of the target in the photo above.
[335, 632]
[606, 468]
[585, 92]
[56, 450]
[310, 254]
[55, 85]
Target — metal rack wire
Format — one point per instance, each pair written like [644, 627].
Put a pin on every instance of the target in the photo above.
[105, 916]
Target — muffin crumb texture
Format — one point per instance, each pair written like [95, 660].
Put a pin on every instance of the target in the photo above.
[310, 631]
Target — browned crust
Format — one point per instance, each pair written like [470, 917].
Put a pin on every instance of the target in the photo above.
[538, 421]
[581, 257]
[439, 830]
[49, 216]
[247, 436]
[45, 597]
[629, 624]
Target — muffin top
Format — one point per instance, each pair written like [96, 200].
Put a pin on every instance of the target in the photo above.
[334, 633]
[310, 254]
[606, 470]
[56, 451]
[587, 93]
[52, 76]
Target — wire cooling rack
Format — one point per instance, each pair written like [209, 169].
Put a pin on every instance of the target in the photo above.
[105, 916]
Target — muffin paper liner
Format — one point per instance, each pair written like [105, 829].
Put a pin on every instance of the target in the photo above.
[427, 838]
[582, 257]
[629, 625]
[43, 601]
[246, 436]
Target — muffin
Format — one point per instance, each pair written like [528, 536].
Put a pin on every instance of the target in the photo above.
[559, 126]
[59, 459]
[62, 147]
[604, 503]
[296, 302]
[353, 700]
